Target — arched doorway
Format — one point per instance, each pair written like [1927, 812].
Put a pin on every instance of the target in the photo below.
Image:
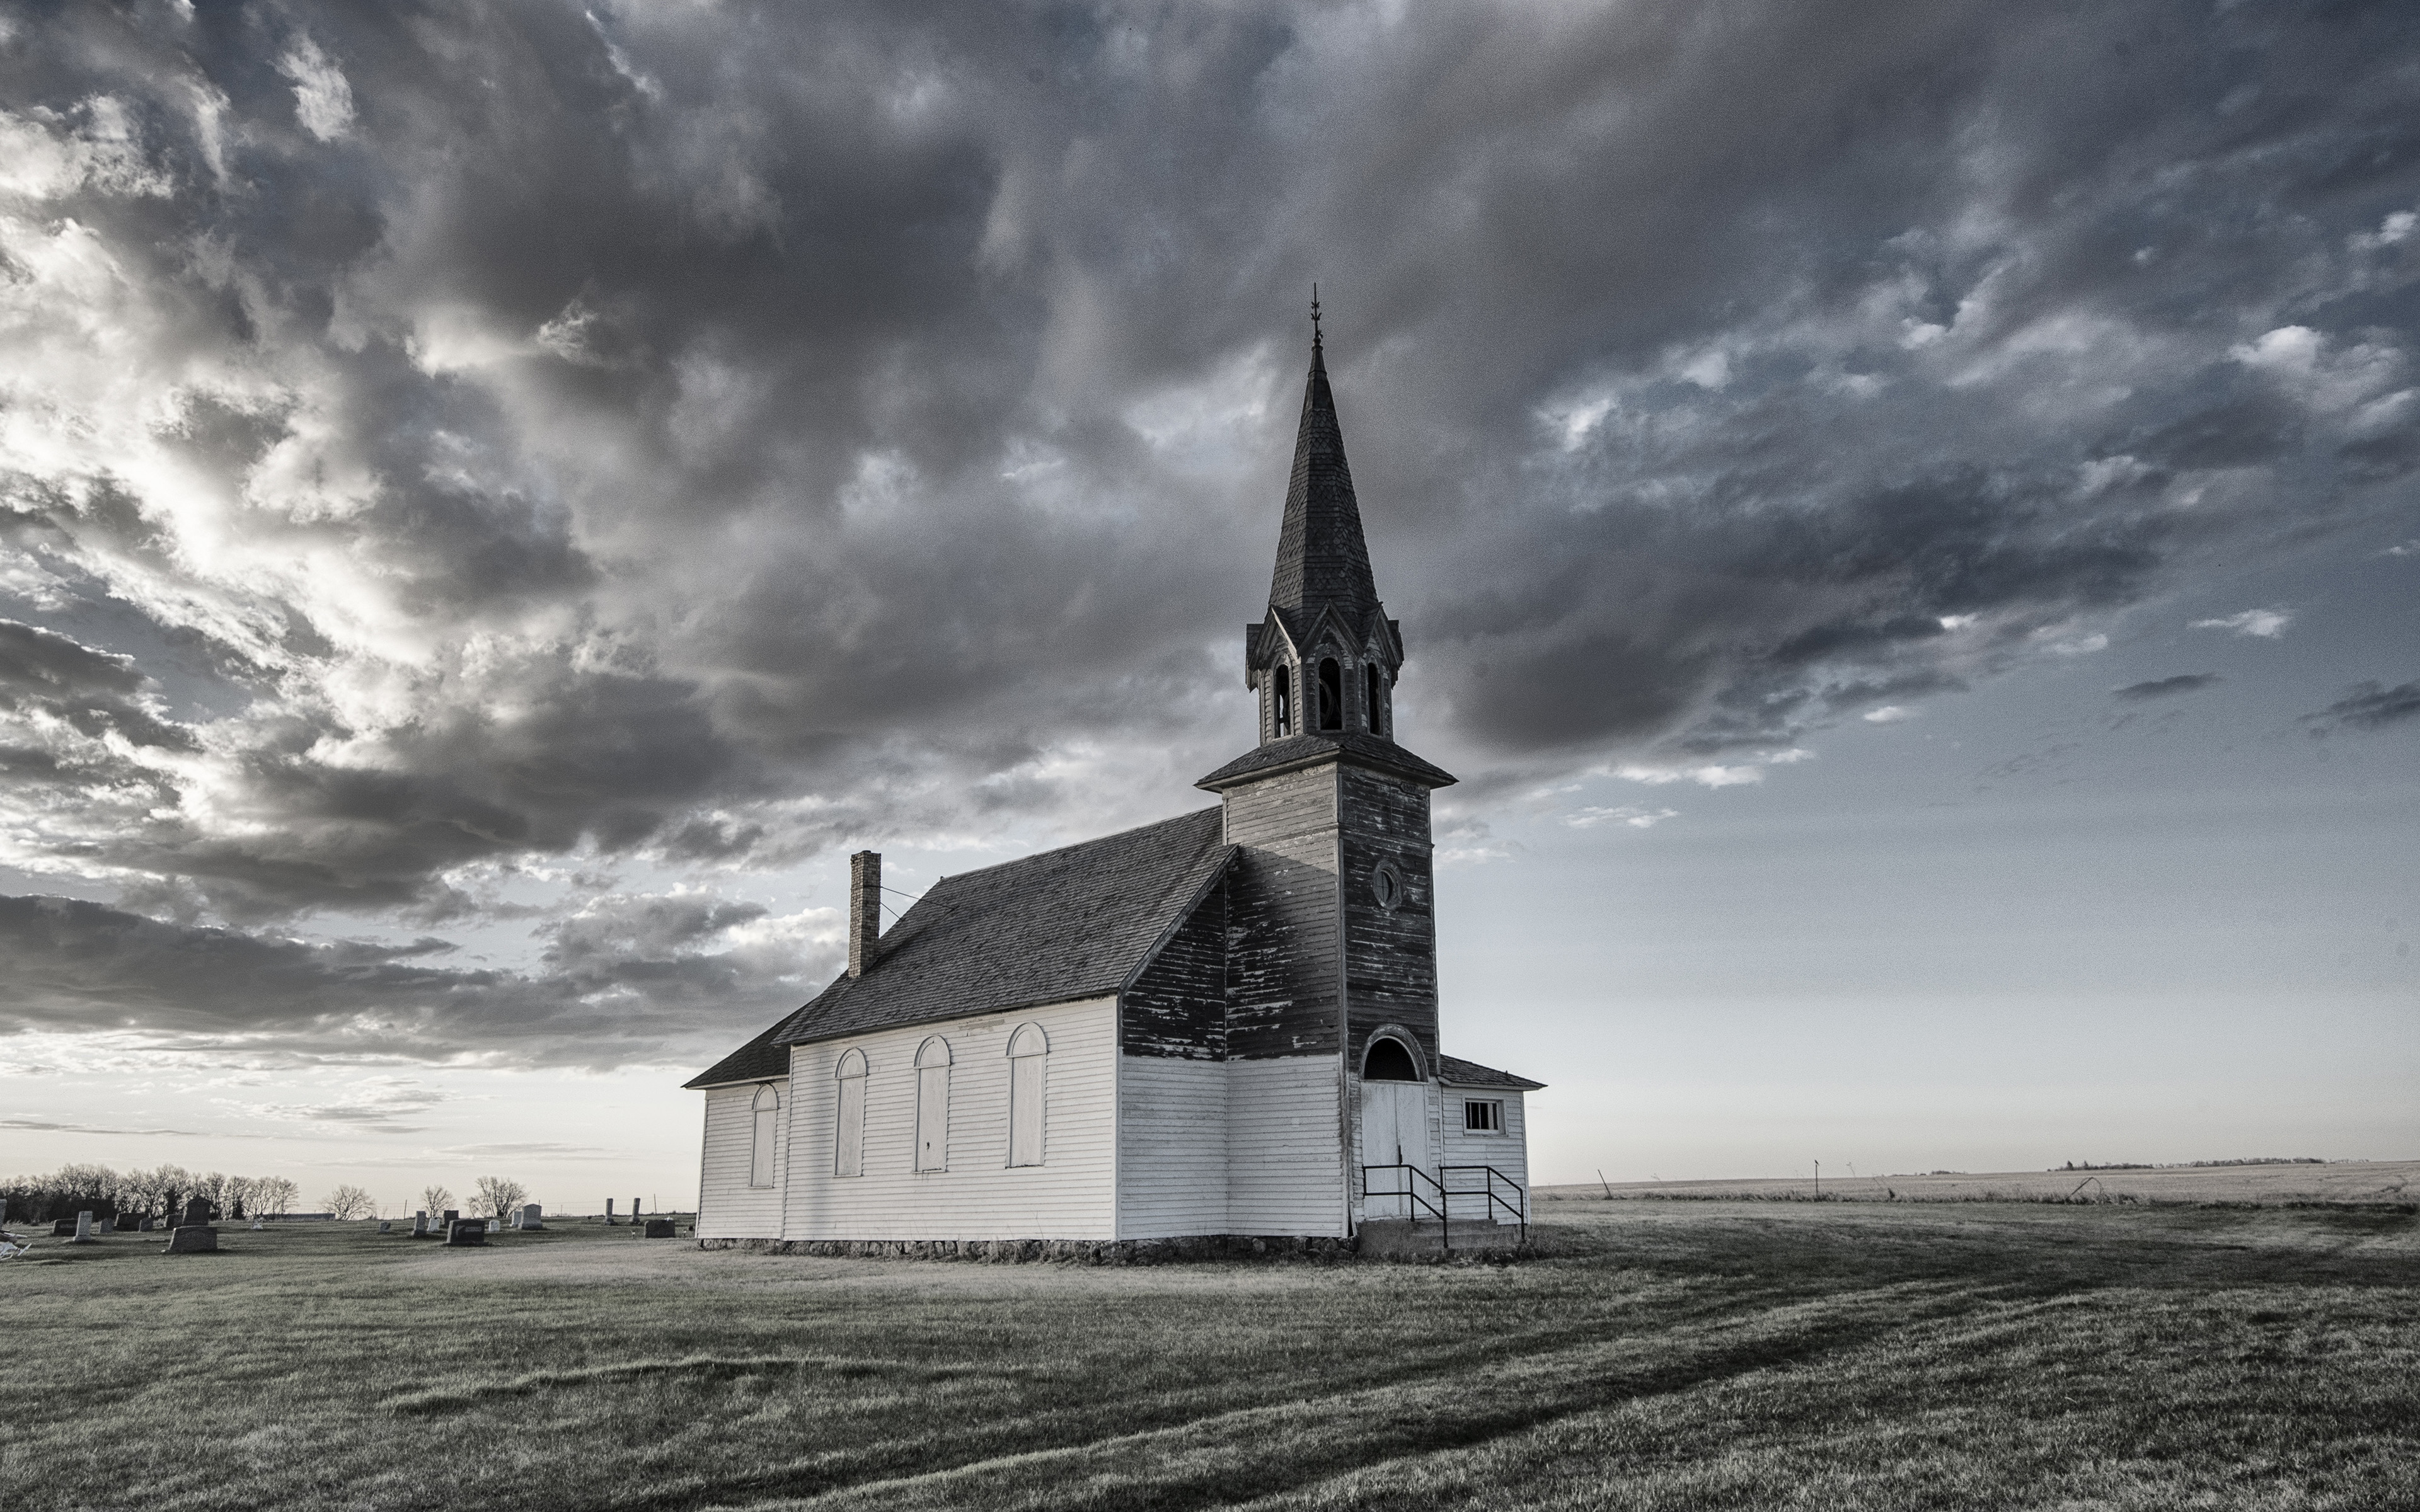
[1394, 1124]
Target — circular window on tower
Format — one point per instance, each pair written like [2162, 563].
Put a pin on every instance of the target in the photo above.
[1386, 886]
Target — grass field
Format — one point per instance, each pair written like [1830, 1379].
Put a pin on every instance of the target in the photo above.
[1698, 1354]
[2339, 1182]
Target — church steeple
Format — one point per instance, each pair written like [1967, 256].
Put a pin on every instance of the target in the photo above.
[1324, 659]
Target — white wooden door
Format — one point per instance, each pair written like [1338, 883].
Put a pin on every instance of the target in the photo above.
[1394, 1132]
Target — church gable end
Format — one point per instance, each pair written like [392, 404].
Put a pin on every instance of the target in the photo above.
[1178, 1003]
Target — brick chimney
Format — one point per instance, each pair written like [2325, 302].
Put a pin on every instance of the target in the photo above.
[864, 909]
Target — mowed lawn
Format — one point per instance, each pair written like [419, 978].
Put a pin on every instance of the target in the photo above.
[1680, 1354]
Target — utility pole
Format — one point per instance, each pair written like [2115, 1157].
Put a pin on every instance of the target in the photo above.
[1819, 1181]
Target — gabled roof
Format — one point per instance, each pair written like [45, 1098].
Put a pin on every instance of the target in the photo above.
[1079, 921]
[1351, 746]
[1455, 1071]
[760, 1060]
[1321, 558]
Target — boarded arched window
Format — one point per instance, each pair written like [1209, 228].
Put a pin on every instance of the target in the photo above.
[1331, 695]
[765, 1110]
[1370, 677]
[848, 1126]
[1283, 700]
[1389, 1061]
[933, 1104]
[1029, 1054]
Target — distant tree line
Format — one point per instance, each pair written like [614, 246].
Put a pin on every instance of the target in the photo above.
[161, 1191]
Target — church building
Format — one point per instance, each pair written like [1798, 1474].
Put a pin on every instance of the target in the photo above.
[1221, 1025]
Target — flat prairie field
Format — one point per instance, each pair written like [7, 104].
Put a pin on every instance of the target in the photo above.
[1669, 1355]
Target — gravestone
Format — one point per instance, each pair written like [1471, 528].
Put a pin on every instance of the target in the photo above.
[530, 1217]
[145, 1224]
[420, 1224]
[462, 1231]
[659, 1228]
[122, 1223]
[385, 1228]
[4, 1212]
[83, 1229]
[453, 1217]
[495, 1226]
[608, 1212]
[194, 1235]
[62, 1228]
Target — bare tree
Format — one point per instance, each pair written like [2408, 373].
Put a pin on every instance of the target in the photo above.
[349, 1202]
[497, 1196]
[276, 1194]
[435, 1200]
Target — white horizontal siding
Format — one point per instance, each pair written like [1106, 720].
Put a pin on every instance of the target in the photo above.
[1172, 1146]
[727, 1206]
[1286, 1152]
[1070, 1195]
[1509, 1151]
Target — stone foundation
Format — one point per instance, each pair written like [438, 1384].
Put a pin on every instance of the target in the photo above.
[1057, 1251]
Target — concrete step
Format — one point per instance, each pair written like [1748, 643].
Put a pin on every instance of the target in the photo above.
[1396, 1237]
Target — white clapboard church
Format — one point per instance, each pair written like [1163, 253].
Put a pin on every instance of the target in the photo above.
[1221, 1025]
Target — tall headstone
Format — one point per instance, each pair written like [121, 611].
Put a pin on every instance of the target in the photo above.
[634, 1209]
[197, 1213]
[608, 1212]
[453, 1217]
[420, 1224]
[83, 1229]
[531, 1218]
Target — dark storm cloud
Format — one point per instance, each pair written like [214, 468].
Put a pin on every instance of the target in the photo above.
[2164, 686]
[705, 438]
[2368, 706]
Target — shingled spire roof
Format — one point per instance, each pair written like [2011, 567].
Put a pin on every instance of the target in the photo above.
[1322, 559]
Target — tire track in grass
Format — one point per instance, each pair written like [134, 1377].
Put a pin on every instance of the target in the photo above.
[1221, 1458]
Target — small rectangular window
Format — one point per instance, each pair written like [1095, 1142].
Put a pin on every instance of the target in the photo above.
[1482, 1116]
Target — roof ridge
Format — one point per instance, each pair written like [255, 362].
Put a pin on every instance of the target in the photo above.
[1035, 856]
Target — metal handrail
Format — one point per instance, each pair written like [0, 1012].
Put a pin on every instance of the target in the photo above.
[1519, 1209]
[1411, 1190]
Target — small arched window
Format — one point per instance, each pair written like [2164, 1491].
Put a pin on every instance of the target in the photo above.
[1369, 675]
[933, 1105]
[764, 1118]
[1331, 695]
[1029, 1054]
[849, 1125]
[1389, 1061]
[1283, 700]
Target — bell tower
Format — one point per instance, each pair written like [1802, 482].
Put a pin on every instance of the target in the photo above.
[1331, 932]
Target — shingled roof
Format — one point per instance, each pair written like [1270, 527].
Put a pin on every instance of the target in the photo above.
[1456, 1072]
[1079, 921]
[760, 1060]
[1321, 558]
[1353, 746]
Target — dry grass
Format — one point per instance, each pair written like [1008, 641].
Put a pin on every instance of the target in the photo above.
[2331, 1181]
[1660, 1355]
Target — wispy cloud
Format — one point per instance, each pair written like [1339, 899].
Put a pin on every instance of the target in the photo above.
[2268, 623]
[1636, 818]
[2370, 706]
[2164, 686]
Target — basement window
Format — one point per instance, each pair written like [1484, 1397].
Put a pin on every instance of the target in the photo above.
[1482, 1115]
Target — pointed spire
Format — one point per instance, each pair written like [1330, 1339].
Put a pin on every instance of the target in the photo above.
[1321, 558]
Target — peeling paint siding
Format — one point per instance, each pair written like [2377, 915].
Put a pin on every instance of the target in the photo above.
[728, 1206]
[1178, 1006]
[1509, 1151]
[1173, 1153]
[1070, 1196]
[1390, 953]
[1283, 973]
[1284, 1173]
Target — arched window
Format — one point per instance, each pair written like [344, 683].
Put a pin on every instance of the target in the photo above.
[1283, 698]
[848, 1126]
[1369, 675]
[1029, 1052]
[1389, 1061]
[1331, 695]
[766, 1109]
[933, 1105]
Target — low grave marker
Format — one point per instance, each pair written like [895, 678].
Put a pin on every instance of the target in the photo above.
[194, 1235]
[464, 1231]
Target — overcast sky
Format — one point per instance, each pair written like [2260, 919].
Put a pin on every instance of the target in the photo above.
[1903, 519]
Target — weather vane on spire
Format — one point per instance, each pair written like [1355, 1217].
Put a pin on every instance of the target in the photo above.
[1315, 315]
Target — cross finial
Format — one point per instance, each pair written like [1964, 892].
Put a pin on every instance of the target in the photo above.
[1315, 315]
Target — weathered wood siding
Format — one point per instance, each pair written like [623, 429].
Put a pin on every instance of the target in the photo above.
[1070, 1195]
[727, 1206]
[1173, 1154]
[1282, 970]
[1509, 1151]
[1178, 1005]
[1390, 952]
[1286, 1170]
